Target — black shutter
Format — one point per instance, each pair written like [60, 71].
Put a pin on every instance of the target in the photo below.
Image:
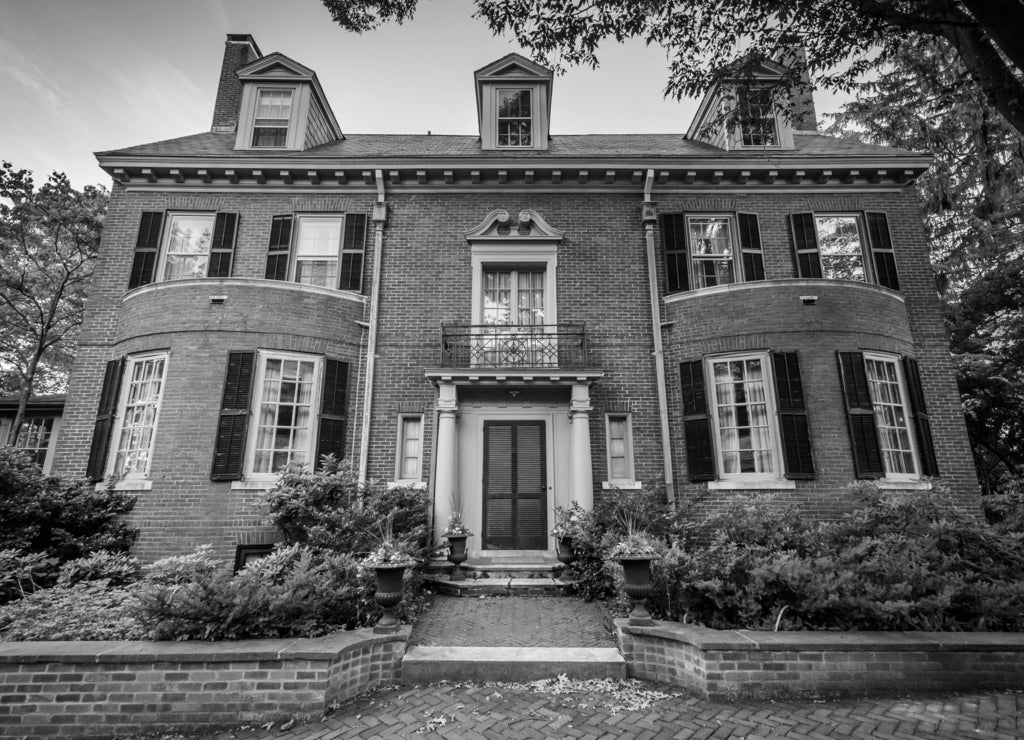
[922, 424]
[750, 243]
[796, 436]
[229, 448]
[147, 246]
[222, 248]
[805, 245]
[700, 458]
[331, 439]
[673, 232]
[278, 249]
[860, 415]
[105, 420]
[881, 249]
[352, 250]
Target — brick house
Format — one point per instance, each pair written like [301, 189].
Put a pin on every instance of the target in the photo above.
[516, 320]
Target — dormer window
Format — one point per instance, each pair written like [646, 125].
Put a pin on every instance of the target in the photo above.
[515, 118]
[757, 117]
[273, 112]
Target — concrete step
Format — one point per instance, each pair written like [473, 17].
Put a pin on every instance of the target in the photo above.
[423, 664]
[498, 585]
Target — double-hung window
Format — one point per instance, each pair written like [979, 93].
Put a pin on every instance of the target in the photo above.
[186, 250]
[515, 118]
[757, 117]
[845, 246]
[712, 251]
[181, 246]
[620, 449]
[34, 437]
[324, 250]
[317, 250]
[743, 417]
[287, 393]
[409, 463]
[708, 250]
[273, 114]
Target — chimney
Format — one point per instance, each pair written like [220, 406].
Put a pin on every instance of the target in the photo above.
[239, 50]
[804, 116]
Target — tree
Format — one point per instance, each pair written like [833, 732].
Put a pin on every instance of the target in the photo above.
[710, 41]
[973, 198]
[48, 241]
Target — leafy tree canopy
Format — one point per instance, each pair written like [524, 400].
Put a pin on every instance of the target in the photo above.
[709, 41]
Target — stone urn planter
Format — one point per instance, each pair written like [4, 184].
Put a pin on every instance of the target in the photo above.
[564, 550]
[636, 573]
[457, 555]
[389, 595]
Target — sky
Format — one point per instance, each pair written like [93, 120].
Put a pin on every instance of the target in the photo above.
[81, 76]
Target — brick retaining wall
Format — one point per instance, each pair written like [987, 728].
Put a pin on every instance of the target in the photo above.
[723, 664]
[115, 688]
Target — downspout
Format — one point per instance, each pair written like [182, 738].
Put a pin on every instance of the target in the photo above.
[649, 214]
[380, 217]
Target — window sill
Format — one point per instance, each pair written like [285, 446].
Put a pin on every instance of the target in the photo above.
[622, 485]
[126, 485]
[770, 484]
[417, 484]
[696, 293]
[903, 485]
[252, 485]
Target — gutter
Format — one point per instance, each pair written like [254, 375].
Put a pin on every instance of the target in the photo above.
[649, 216]
[380, 217]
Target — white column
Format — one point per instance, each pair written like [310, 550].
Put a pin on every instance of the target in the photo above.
[444, 474]
[582, 469]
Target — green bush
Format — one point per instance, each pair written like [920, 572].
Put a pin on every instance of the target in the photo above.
[328, 508]
[90, 610]
[908, 561]
[116, 568]
[22, 573]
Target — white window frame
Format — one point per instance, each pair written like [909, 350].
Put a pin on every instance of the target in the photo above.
[908, 417]
[252, 435]
[865, 248]
[122, 401]
[776, 128]
[771, 410]
[290, 126]
[629, 480]
[165, 243]
[405, 480]
[532, 118]
[734, 247]
[293, 261]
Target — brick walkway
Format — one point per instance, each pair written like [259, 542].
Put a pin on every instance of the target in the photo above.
[511, 621]
[522, 711]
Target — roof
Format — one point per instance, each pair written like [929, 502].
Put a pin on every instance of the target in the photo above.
[399, 146]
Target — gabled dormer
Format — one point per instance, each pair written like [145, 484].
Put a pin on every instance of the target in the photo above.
[734, 116]
[283, 107]
[513, 104]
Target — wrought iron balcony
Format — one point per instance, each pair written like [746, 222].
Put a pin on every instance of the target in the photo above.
[558, 346]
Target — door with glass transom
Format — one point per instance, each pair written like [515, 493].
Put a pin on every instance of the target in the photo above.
[514, 486]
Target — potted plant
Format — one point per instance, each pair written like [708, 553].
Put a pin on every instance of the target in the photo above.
[456, 534]
[635, 551]
[389, 561]
[567, 529]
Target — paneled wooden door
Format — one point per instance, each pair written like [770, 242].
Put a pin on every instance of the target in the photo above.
[515, 486]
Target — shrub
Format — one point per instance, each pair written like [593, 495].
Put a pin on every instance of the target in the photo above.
[328, 508]
[84, 611]
[116, 568]
[22, 573]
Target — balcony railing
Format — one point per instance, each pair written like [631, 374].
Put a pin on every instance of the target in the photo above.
[562, 346]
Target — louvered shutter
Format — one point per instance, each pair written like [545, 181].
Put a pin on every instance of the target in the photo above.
[353, 248]
[805, 245]
[514, 485]
[104, 424]
[882, 251]
[147, 246]
[700, 457]
[222, 247]
[860, 416]
[750, 245]
[796, 435]
[677, 273]
[279, 248]
[334, 400]
[922, 424]
[229, 448]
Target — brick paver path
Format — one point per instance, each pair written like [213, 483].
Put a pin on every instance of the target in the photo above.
[477, 711]
[511, 621]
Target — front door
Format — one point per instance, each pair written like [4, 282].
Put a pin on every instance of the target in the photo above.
[515, 486]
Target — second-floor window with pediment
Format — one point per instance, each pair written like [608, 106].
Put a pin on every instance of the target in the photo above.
[515, 118]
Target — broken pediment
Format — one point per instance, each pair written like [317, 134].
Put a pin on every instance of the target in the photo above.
[528, 226]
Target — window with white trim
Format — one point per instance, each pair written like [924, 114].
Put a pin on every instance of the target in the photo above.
[887, 389]
[273, 114]
[137, 415]
[33, 437]
[743, 417]
[186, 246]
[620, 448]
[317, 250]
[285, 412]
[515, 118]
[758, 126]
[841, 247]
[712, 250]
[409, 463]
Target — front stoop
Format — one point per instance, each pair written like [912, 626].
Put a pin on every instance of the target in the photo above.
[423, 664]
[499, 586]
